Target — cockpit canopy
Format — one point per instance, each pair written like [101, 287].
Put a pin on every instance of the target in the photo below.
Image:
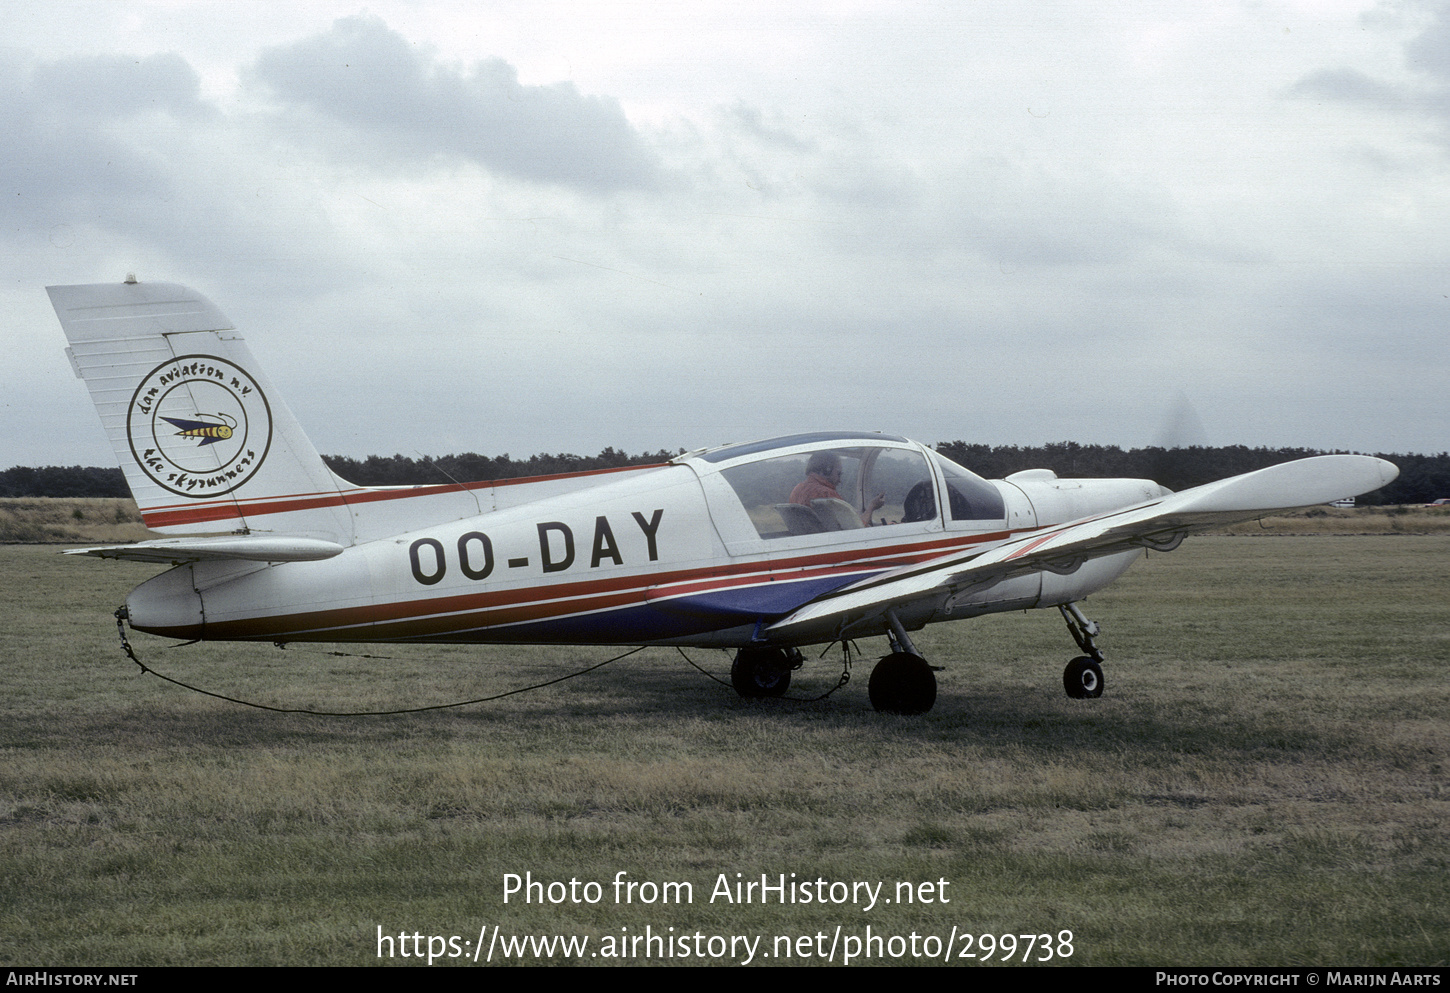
[819, 483]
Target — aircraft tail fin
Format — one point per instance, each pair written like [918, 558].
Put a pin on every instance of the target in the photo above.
[205, 441]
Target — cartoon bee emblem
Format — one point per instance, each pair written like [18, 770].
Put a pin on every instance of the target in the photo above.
[218, 427]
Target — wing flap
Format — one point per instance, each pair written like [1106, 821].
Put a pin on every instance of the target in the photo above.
[251, 548]
[1156, 524]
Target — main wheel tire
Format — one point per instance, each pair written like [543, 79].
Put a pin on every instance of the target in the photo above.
[902, 683]
[1083, 678]
[760, 672]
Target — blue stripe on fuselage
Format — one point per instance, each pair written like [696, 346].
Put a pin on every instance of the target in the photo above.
[665, 619]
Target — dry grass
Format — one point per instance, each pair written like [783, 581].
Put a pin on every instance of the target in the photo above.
[1264, 782]
[1390, 519]
[91, 520]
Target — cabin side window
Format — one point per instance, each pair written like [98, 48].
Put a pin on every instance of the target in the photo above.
[835, 489]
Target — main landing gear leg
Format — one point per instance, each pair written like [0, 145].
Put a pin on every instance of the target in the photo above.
[902, 682]
[1083, 677]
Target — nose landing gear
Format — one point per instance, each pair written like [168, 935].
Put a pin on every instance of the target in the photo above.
[1083, 677]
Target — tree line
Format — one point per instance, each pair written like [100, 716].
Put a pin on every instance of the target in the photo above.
[1422, 477]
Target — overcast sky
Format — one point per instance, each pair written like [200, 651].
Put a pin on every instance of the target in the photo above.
[533, 226]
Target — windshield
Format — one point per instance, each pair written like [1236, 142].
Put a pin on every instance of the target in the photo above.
[971, 497]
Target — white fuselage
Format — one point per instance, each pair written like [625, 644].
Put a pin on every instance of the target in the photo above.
[657, 555]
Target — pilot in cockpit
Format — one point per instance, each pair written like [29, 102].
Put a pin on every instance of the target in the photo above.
[823, 475]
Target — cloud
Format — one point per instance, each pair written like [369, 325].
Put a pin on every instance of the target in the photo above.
[905, 225]
[1430, 51]
[370, 80]
[1427, 55]
[1348, 85]
[63, 157]
[108, 87]
[115, 163]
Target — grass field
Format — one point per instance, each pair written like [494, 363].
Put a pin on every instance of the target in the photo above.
[1264, 782]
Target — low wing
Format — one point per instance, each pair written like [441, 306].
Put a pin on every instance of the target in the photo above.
[1156, 524]
[252, 548]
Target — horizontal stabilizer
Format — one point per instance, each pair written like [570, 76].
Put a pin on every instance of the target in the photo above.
[251, 548]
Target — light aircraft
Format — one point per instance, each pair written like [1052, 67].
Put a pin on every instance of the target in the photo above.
[763, 547]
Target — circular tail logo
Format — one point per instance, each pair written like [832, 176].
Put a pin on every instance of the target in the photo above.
[199, 426]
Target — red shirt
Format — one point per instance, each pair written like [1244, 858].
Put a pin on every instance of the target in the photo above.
[814, 487]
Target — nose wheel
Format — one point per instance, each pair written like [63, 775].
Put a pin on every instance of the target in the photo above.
[1083, 677]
